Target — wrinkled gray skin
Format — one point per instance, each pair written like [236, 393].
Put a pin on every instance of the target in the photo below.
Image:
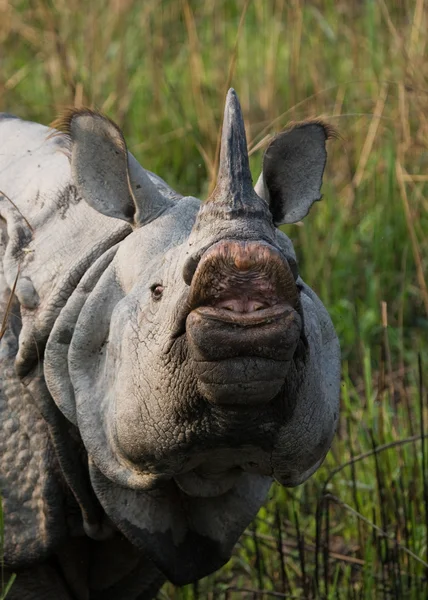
[163, 360]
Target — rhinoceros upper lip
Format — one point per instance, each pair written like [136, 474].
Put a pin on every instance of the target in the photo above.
[262, 316]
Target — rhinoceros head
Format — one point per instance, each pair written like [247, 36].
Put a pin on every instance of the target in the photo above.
[200, 365]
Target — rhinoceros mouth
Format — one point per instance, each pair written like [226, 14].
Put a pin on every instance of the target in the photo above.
[252, 318]
[204, 485]
[215, 472]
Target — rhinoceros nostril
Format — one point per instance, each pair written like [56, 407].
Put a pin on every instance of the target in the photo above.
[243, 262]
[189, 268]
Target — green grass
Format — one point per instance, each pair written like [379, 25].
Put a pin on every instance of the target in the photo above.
[161, 70]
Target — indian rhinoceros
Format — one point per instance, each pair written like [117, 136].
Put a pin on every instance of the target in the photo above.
[163, 361]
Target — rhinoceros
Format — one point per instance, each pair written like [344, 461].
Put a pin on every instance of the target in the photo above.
[163, 361]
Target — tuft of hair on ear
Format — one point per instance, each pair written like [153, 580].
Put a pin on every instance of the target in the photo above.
[329, 130]
[61, 126]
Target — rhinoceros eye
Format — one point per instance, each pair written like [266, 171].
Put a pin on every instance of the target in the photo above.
[157, 291]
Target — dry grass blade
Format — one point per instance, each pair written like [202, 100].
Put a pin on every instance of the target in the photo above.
[371, 134]
[416, 26]
[17, 77]
[78, 96]
[17, 209]
[408, 177]
[411, 229]
[9, 306]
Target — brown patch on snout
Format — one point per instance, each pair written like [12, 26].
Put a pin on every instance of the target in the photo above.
[242, 277]
[244, 322]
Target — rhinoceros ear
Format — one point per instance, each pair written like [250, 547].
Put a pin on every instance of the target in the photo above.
[101, 170]
[293, 166]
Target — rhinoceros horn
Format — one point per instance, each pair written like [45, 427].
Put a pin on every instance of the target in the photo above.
[234, 196]
[234, 182]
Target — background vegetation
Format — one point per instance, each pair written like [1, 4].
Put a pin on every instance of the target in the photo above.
[358, 528]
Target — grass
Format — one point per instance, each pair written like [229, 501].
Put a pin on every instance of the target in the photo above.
[358, 528]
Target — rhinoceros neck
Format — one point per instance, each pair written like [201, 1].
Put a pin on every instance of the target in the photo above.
[53, 293]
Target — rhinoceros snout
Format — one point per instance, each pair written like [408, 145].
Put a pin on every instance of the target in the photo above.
[241, 277]
[243, 325]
